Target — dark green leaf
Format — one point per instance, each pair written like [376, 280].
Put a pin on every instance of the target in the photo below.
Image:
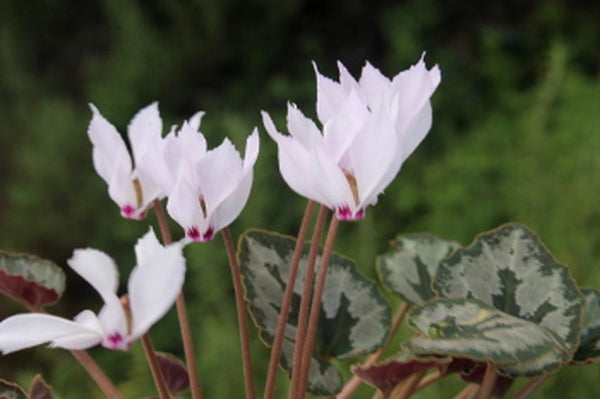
[354, 318]
[408, 272]
[30, 280]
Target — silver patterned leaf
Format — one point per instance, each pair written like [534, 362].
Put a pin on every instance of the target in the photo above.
[408, 271]
[589, 345]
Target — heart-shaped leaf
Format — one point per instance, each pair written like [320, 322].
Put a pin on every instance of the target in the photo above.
[408, 272]
[174, 372]
[354, 318]
[511, 270]
[10, 390]
[468, 328]
[403, 365]
[33, 281]
[589, 342]
[39, 389]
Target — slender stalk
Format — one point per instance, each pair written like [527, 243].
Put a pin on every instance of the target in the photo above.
[286, 302]
[355, 381]
[105, 384]
[430, 379]
[531, 386]
[182, 315]
[489, 380]
[241, 310]
[302, 323]
[405, 390]
[468, 393]
[315, 305]
[159, 380]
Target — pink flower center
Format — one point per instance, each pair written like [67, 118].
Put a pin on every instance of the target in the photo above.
[195, 234]
[128, 212]
[344, 213]
[116, 341]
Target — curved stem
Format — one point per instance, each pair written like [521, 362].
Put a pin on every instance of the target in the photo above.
[315, 306]
[241, 310]
[407, 387]
[159, 379]
[353, 384]
[531, 386]
[105, 384]
[468, 393]
[182, 315]
[287, 300]
[489, 380]
[301, 326]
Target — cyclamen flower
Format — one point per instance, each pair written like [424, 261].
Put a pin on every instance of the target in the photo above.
[207, 188]
[132, 188]
[153, 286]
[370, 127]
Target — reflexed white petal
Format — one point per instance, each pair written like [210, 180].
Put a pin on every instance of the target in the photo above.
[183, 205]
[27, 330]
[153, 287]
[120, 185]
[302, 128]
[251, 151]
[112, 318]
[109, 149]
[343, 126]
[416, 130]
[270, 126]
[347, 82]
[330, 96]
[98, 269]
[195, 120]
[372, 153]
[232, 206]
[375, 87]
[144, 126]
[85, 339]
[330, 180]
[219, 172]
[146, 246]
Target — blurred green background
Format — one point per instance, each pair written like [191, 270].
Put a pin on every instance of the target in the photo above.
[516, 137]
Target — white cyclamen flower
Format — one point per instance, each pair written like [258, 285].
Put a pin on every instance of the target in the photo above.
[130, 184]
[370, 127]
[207, 189]
[153, 286]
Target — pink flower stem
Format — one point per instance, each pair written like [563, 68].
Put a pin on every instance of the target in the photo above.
[355, 381]
[303, 313]
[106, 385]
[287, 300]
[531, 386]
[241, 311]
[159, 379]
[311, 330]
[182, 315]
[489, 381]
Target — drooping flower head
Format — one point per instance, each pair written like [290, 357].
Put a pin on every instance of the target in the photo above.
[130, 185]
[207, 188]
[370, 127]
[153, 286]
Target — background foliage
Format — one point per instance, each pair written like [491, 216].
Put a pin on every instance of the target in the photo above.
[515, 138]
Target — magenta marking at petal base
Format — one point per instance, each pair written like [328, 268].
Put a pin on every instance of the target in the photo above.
[193, 233]
[115, 340]
[128, 211]
[360, 214]
[344, 213]
[208, 234]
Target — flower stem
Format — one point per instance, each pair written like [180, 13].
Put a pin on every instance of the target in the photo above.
[105, 384]
[531, 386]
[489, 380]
[311, 330]
[241, 310]
[355, 381]
[287, 300]
[159, 380]
[301, 326]
[430, 379]
[407, 387]
[182, 315]
[468, 393]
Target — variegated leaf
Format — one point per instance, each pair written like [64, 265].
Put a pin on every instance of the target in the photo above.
[408, 272]
[31, 280]
[511, 270]
[589, 342]
[468, 328]
[354, 318]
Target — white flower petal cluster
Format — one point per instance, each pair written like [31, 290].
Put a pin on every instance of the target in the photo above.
[153, 286]
[370, 127]
[206, 189]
